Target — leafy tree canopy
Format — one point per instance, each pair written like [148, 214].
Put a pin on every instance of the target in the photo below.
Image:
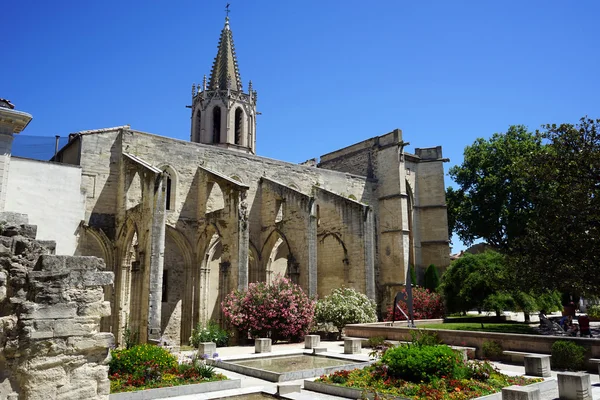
[493, 199]
[536, 198]
[560, 246]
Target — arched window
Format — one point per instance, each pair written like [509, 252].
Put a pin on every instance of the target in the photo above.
[239, 119]
[216, 125]
[170, 187]
[198, 126]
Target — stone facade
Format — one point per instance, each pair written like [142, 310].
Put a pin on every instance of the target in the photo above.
[51, 346]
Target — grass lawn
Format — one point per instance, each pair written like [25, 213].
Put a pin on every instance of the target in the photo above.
[508, 327]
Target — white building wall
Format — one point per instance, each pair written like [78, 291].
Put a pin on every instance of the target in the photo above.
[50, 194]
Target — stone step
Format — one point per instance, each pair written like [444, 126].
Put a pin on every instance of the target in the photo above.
[13, 218]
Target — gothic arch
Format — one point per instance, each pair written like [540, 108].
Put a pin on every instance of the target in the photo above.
[170, 186]
[128, 279]
[176, 321]
[212, 276]
[215, 200]
[94, 242]
[198, 126]
[254, 272]
[216, 124]
[277, 258]
[333, 264]
[239, 130]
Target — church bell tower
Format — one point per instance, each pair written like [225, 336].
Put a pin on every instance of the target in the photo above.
[222, 114]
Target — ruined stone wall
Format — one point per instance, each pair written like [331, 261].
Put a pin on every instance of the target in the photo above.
[51, 346]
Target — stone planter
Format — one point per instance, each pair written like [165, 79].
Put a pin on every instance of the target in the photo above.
[352, 393]
[173, 391]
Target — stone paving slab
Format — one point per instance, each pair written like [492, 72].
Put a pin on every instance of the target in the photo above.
[250, 384]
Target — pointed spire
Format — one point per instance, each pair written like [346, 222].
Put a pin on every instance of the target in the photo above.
[225, 65]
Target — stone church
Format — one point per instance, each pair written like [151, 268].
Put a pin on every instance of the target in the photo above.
[182, 224]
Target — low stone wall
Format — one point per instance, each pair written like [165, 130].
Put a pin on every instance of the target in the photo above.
[527, 343]
[51, 346]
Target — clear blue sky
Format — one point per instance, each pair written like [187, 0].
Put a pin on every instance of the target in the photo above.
[328, 74]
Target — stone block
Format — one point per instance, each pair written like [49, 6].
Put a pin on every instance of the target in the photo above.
[574, 386]
[262, 345]
[88, 263]
[537, 365]
[287, 389]
[312, 341]
[50, 263]
[207, 348]
[54, 311]
[352, 346]
[29, 231]
[317, 350]
[98, 278]
[100, 309]
[521, 393]
[13, 218]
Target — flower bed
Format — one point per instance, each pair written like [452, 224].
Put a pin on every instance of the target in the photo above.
[149, 367]
[425, 372]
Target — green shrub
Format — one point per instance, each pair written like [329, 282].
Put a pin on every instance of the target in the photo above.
[491, 349]
[593, 311]
[211, 332]
[137, 359]
[567, 355]
[432, 279]
[423, 337]
[423, 363]
[345, 306]
[375, 341]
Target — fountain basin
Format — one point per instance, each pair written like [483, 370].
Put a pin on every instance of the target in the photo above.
[289, 367]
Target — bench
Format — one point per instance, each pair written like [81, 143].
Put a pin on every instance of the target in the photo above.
[519, 356]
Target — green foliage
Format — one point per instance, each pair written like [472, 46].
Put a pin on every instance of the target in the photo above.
[493, 200]
[130, 337]
[374, 379]
[559, 250]
[432, 279]
[491, 349]
[567, 355]
[421, 363]
[136, 359]
[209, 332]
[594, 311]
[423, 337]
[549, 301]
[345, 306]
[499, 301]
[375, 341]
[471, 279]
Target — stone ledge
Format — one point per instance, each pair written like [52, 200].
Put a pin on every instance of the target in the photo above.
[174, 391]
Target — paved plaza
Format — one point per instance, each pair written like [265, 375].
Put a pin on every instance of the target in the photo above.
[252, 385]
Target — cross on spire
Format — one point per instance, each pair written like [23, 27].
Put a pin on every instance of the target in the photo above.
[227, 10]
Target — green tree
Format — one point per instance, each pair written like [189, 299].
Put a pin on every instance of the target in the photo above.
[432, 279]
[471, 279]
[560, 247]
[493, 198]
